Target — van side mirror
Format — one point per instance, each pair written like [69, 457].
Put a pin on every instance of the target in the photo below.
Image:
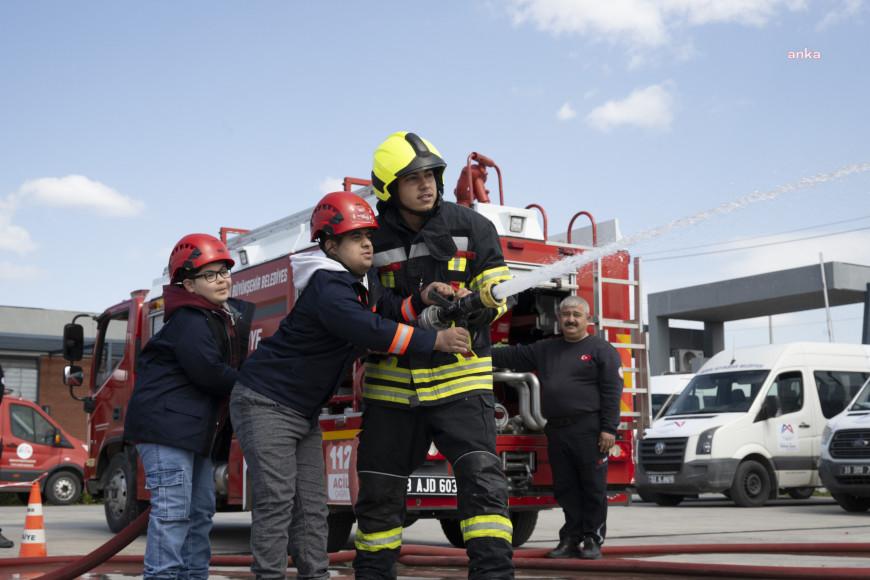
[73, 342]
[73, 376]
[769, 409]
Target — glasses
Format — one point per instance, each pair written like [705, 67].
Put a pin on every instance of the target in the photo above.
[212, 275]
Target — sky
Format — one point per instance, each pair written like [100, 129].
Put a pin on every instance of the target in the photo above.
[126, 125]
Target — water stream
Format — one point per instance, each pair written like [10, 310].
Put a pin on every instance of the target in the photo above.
[572, 263]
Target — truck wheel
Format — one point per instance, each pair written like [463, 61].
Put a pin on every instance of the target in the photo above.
[63, 488]
[751, 486]
[340, 525]
[120, 503]
[453, 532]
[800, 492]
[852, 503]
[524, 525]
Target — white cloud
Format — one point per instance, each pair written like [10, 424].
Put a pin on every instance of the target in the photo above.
[651, 107]
[330, 184]
[19, 273]
[14, 238]
[79, 192]
[850, 10]
[566, 112]
[642, 23]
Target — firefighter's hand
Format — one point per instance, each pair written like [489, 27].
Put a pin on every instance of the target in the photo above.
[445, 290]
[606, 441]
[452, 340]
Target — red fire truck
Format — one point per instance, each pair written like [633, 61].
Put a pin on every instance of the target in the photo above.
[263, 275]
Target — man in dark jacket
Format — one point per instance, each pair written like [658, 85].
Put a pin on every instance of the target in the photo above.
[413, 400]
[178, 408]
[581, 388]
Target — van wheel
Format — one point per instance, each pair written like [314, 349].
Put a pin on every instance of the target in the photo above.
[852, 503]
[800, 492]
[340, 525]
[63, 488]
[120, 503]
[668, 500]
[751, 485]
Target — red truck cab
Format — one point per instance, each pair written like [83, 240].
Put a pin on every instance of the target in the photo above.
[34, 447]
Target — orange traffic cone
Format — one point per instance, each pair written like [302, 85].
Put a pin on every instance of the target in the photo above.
[33, 536]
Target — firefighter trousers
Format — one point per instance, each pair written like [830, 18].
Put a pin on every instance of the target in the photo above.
[393, 443]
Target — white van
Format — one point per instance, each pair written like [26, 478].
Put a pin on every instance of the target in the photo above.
[750, 423]
[664, 390]
[845, 463]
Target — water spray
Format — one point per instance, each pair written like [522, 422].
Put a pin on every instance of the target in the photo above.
[573, 263]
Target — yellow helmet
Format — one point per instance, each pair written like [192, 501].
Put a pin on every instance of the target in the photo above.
[402, 154]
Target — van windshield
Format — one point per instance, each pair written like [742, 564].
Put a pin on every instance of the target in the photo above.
[731, 392]
[862, 401]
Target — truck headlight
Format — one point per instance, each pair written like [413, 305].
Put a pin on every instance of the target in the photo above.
[705, 442]
[826, 435]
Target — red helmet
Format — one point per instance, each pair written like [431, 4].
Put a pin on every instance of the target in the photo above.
[341, 212]
[194, 251]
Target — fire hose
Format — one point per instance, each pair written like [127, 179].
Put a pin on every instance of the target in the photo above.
[618, 559]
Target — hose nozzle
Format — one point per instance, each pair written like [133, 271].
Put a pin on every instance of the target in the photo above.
[445, 312]
[488, 299]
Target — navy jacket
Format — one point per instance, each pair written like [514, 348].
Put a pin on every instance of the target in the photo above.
[303, 364]
[186, 372]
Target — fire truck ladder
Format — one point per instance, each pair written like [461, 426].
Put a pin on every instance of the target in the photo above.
[639, 417]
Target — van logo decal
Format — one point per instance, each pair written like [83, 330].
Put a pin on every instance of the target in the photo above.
[860, 443]
[660, 448]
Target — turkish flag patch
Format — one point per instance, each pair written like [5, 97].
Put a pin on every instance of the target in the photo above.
[585, 357]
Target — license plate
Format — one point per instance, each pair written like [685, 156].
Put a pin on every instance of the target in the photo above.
[431, 485]
[661, 479]
[855, 470]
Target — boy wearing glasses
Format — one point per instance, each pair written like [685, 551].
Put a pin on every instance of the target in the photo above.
[178, 409]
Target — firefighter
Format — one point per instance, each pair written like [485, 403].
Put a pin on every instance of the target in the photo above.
[412, 401]
[178, 408]
[290, 377]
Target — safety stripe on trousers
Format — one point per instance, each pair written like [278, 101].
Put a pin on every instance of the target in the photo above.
[487, 527]
[374, 542]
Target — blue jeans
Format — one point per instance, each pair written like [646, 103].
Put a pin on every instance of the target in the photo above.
[181, 483]
[284, 454]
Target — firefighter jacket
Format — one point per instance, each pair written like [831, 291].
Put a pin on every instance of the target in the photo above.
[304, 363]
[457, 246]
[186, 372]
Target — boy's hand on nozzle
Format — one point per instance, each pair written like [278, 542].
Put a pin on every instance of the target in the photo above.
[445, 290]
[440, 288]
[453, 339]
